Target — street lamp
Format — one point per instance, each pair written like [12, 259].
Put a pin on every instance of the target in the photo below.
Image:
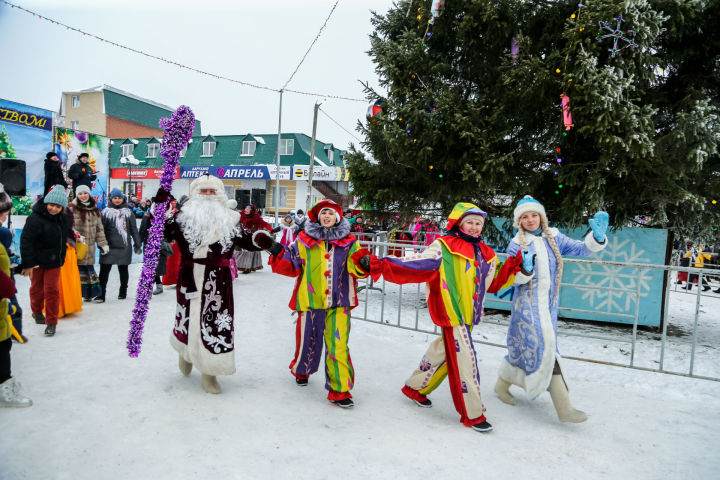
[130, 160]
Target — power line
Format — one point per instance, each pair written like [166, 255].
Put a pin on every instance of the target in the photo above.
[311, 45]
[178, 64]
[338, 124]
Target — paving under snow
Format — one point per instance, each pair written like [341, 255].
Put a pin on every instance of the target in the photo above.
[98, 413]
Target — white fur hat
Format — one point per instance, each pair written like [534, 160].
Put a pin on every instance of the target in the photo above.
[205, 181]
[527, 204]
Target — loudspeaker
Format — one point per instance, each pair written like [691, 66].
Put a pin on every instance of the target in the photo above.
[12, 176]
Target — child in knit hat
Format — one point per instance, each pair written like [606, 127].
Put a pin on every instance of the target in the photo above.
[42, 248]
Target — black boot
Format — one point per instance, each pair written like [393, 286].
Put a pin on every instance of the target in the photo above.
[706, 288]
[123, 293]
[50, 329]
[158, 289]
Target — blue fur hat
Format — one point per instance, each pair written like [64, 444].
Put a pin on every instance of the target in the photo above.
[57, 196]
[116, 192]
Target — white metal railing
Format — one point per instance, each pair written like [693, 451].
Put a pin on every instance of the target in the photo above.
[666, 354]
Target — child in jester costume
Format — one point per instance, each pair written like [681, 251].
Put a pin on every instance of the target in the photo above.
[459, 269]
[322, 257]
[533, 361]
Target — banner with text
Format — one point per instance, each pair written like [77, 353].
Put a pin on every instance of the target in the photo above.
[26, 134]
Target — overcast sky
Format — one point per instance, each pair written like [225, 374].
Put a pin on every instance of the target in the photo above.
[260, 42]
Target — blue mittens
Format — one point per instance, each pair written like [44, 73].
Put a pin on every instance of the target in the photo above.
[599, 224]
[528, 261]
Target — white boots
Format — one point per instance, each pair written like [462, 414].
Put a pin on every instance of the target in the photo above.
[184, 366]
[10, 395]
[561, 400]
[210, 384]
[502, 388]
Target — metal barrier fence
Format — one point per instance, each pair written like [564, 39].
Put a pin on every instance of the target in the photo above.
[687, 344]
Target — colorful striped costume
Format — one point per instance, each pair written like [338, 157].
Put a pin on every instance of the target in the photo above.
[324, 294]
[459, 273]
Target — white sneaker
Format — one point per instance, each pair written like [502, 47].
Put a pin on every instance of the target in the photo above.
[10, 395]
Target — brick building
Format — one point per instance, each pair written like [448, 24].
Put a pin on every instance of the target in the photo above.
[114, 113]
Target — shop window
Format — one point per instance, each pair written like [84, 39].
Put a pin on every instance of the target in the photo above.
[248, 148]
[282, 196]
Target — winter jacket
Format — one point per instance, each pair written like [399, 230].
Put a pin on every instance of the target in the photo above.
[165, 247]
[121, 234]
[53, 175]
[42, 241]
[88, 223]
[7, 290]
[253, 221]
[81, 174]
[322, 259]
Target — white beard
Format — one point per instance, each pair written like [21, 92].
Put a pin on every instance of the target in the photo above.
[204, 220]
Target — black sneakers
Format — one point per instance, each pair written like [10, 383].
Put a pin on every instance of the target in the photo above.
[39, 318]
[344, 403]
[301, 382]
[50, 329]
[483, 427]
[99, 299]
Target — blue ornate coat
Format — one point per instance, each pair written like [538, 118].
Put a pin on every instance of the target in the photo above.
[532, 334]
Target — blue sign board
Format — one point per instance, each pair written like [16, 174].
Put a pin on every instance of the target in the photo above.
[257, 172]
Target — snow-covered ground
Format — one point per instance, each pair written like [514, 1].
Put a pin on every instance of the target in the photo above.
[98, 413]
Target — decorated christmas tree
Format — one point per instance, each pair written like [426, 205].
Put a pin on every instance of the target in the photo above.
[6, 148]
[605, 105]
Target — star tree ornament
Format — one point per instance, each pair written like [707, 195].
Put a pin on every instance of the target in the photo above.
[618, 35]
[178, 131]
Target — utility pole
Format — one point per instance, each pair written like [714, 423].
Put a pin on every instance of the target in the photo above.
[312, 158]
[276, 195]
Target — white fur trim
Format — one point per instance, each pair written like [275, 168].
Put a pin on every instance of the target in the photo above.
[527, 207]
[207, 181]
[522, 279]
[195, 352]
[537, 382]
[256, 233]
[593, 244]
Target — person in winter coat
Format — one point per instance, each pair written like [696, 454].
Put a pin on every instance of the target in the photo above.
[53, 172]
[288, 230]
[122, 236]
[42, 248]
[6, 240]
[88, 224]
[697, 257]
[206, 232]
[165, 248]
[9, 387]
[81, 173]
[459, 268]
[325, 292]
[249, 261]
[70, 285]
[424, 232]
[532, 361]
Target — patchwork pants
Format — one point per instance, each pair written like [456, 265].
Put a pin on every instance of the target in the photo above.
[452, 356]
[333, 327]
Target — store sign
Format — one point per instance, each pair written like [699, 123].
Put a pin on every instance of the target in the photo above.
[255, 172]
[149, 173]
[326, 174]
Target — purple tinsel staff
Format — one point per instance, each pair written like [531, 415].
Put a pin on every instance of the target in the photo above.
[178, 131]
